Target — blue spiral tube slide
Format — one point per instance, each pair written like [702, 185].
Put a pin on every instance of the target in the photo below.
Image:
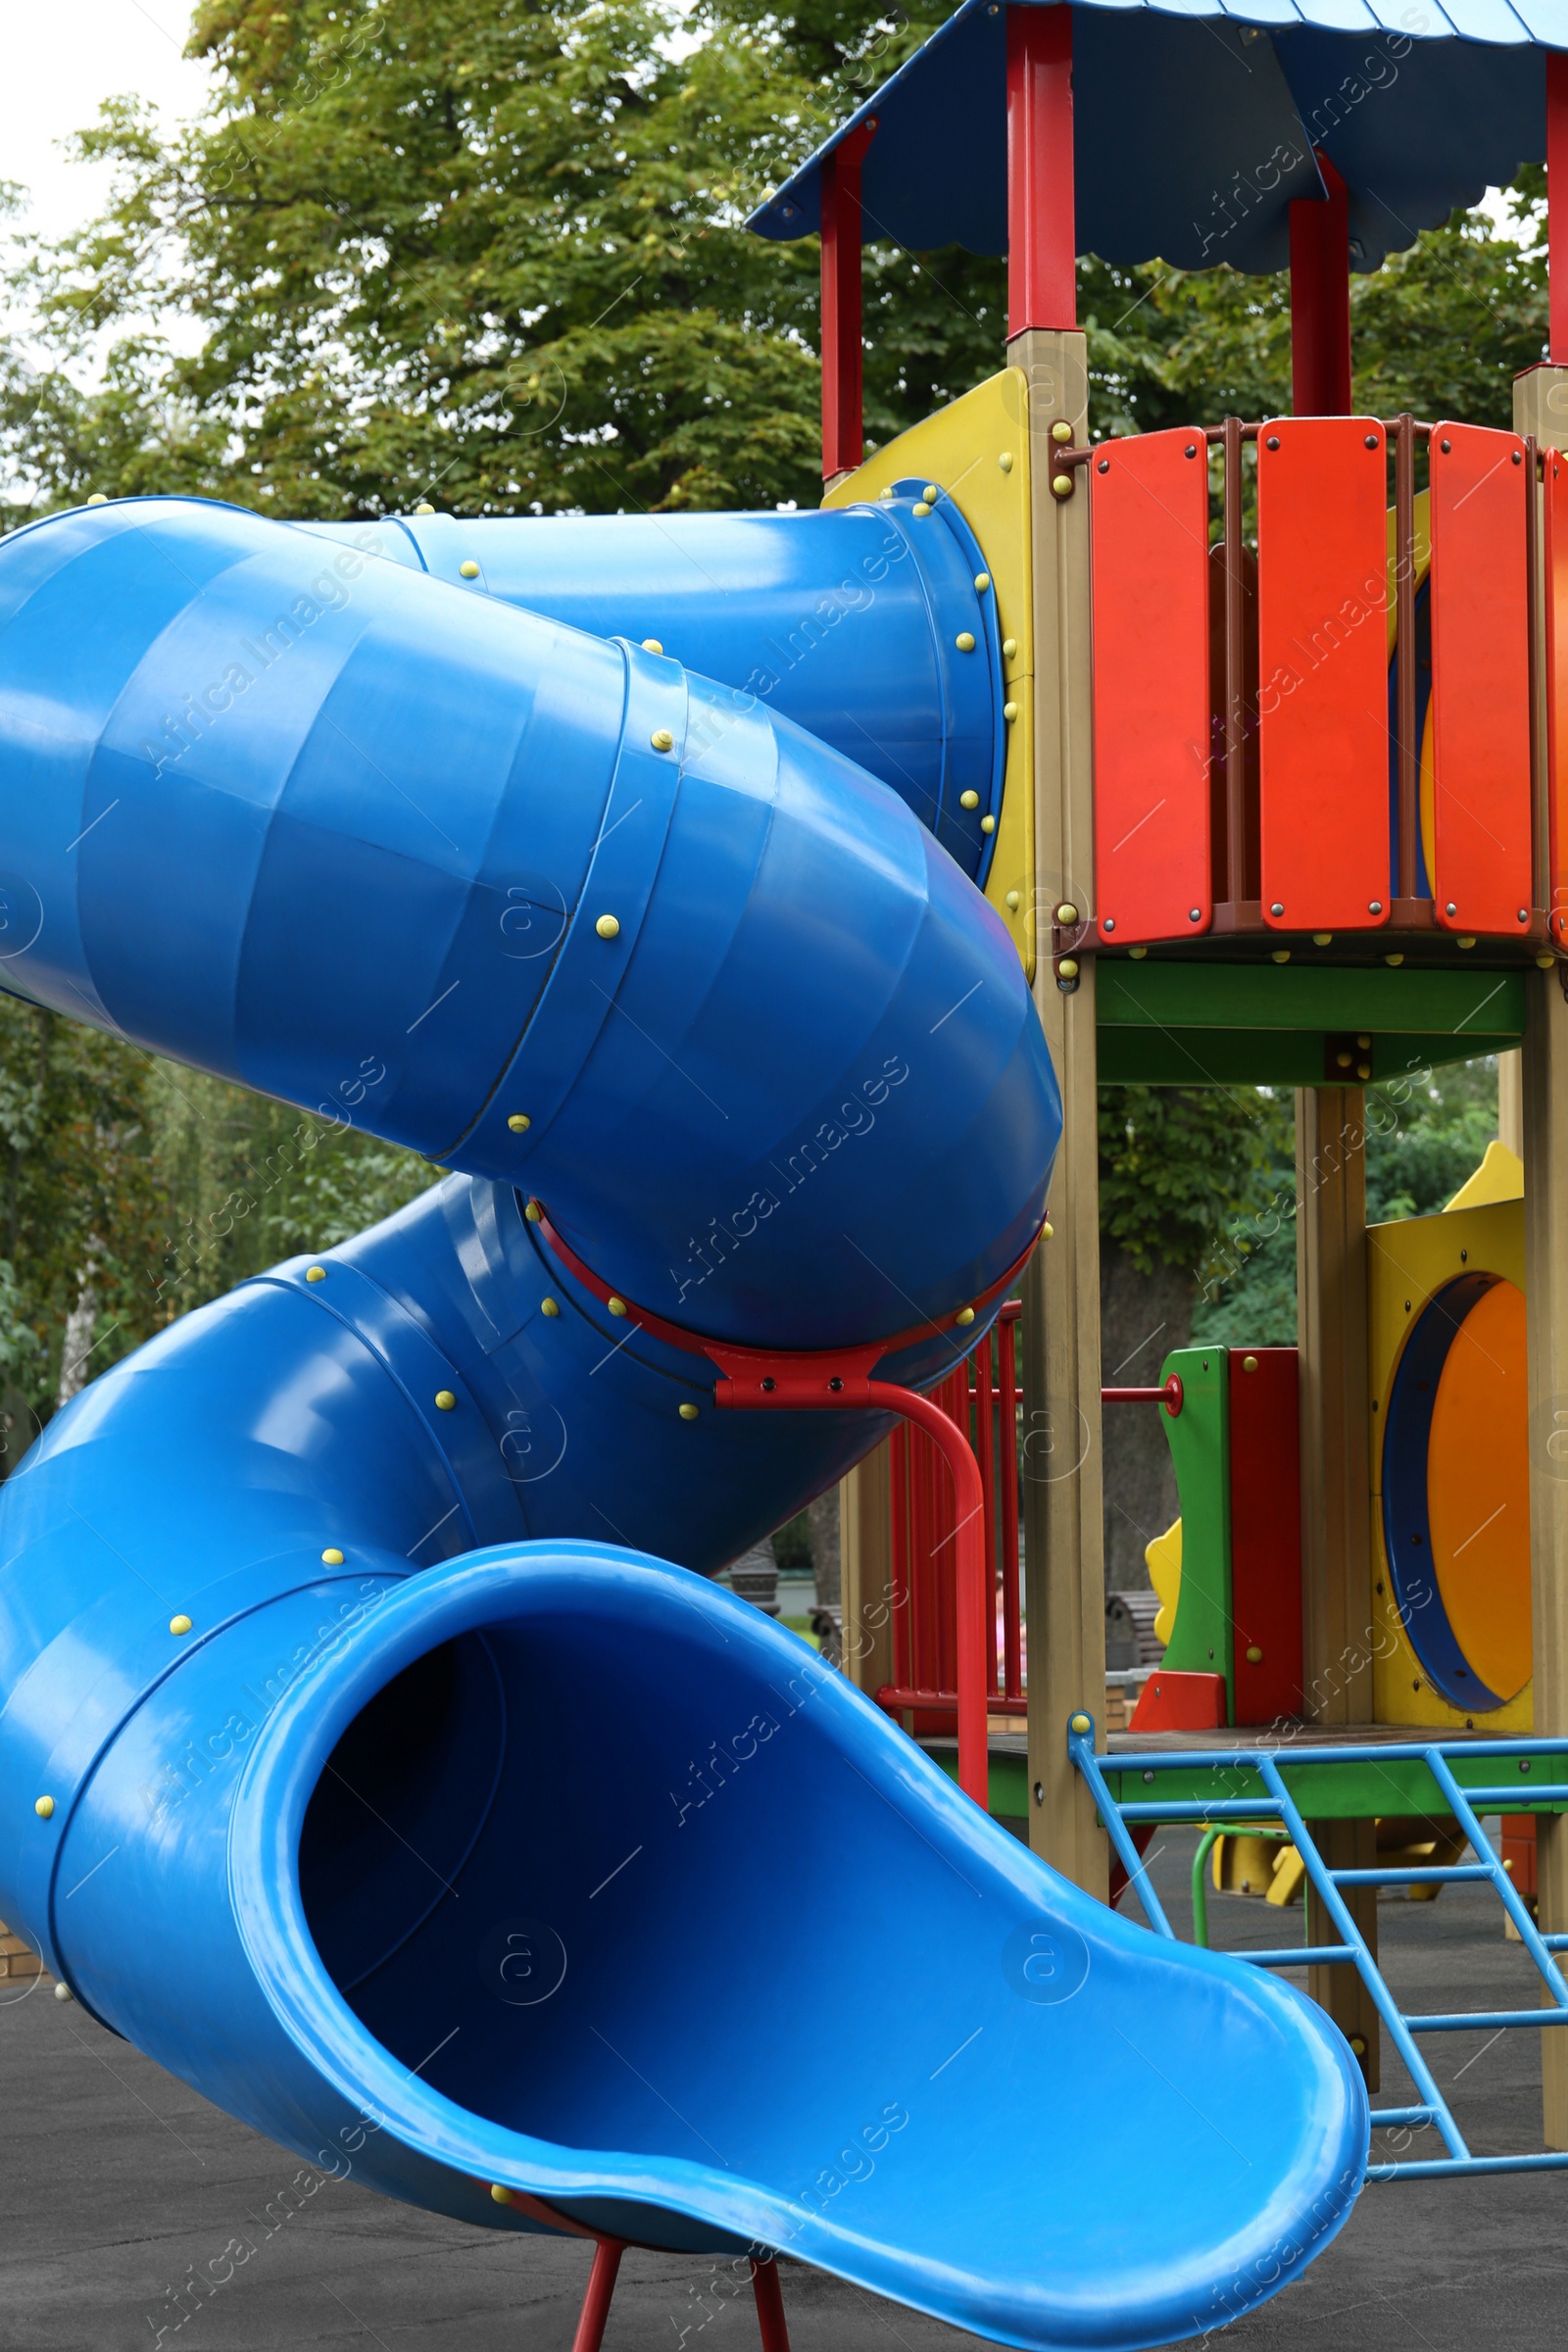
[363, 1757]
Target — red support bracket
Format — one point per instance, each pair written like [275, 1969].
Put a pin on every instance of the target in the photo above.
[839, 1380]
[605, 2268]
[843, 423]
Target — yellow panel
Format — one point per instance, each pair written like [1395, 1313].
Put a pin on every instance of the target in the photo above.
[1407, 1261]
[1423, 559]
[1164, 1560]
[962, 447]
[1500, 1177]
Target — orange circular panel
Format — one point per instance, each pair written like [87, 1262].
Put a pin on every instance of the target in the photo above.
[1478, 1489]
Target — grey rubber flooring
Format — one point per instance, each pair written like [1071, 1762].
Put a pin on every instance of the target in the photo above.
[116, 2181]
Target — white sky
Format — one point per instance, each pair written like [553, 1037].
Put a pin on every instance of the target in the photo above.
[62, 57]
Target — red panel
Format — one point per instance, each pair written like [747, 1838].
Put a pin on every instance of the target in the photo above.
[1323, 702]
[1265, 1533]
[1480, 680]
[1181, 1702]
[1152, 719]
[1556, 539]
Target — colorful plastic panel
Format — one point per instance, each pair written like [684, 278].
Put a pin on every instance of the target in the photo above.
[1480, 680]
[1151, 717]
[1323, 666]
[1265, 1533]
[1556, 538]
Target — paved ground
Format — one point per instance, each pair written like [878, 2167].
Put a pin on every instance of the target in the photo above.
[115, 2181]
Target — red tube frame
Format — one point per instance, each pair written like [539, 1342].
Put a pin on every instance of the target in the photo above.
[1042, 220]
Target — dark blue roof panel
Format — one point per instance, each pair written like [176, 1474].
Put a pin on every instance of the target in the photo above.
[1194, 126]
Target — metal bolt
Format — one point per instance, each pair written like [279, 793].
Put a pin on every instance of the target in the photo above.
[469, 569]
[1009, 647]
[1373, 905]
[1108, 924]
[835, 1383]
[770, 1383]
[1040, 1792]
[1280, 955]
[920, 507]
[1194, 914]
[987, 824]
[1103, 467]
[931, 494]
[1451, 909]
[1272, 442]
[1276, 908]
[1012, 899]
[1372, 441]
[1254, 1656]
[1191, 449]
[1447, 447]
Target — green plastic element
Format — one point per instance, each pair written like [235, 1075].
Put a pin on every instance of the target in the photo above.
[1206, 1846]
[1354, 1790]
[1195, 1024]
[1201, 1639]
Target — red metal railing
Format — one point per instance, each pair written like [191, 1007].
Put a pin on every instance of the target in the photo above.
[980, 1398]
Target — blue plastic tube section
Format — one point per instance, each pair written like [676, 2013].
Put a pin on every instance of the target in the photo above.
[545, 908]
[483, 1874]
[866, 624]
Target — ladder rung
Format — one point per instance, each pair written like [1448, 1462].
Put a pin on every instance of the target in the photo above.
[1432, 1876]
[1438, 2168]
[1469, 2020]
[1232, 1810]
[1383, 2118]
[1513, 1801]
[1302, 1955]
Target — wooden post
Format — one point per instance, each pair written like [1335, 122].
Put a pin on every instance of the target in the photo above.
[1331, 1294]
[842, 430]
[1512, 1101]
[1540, 407]
[865, 1554]
[1320, 299]
[1060, 1484]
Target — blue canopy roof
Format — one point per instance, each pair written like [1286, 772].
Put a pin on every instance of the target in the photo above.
[1194, 129]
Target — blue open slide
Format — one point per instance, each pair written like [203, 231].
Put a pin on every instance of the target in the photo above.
[363, 1758]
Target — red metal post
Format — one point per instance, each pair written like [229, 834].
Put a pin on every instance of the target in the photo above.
[1320, 300]
[1012, 1614]
[770, 2307]
[842, 430]
[898, 1543]
[985, 1445]
[1557, 214]
[1042, 281]
[596, 2302]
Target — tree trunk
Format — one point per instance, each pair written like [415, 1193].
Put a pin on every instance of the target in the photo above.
[77, 1346]
[822, 1518]
[1142, 1318]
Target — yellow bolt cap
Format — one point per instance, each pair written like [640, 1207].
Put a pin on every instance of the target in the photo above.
[1006, 460]
[1062, 431]
[964, 641]
[1066, 912]
[968, 800]
[315, 1273]
[661, 740]
[549, 1307]
[424, 508]
[1254, 1656]
[1464, 942]
[502, 2196]
[987, 824]
[931, 493]
[98, 499]
[1281, 956]
[1009, 647]
[1009, 711]
[519, 1122]
[1545, 963]
[1322, 939]
[965, 1315]
[1061, 485]
[445, 1402]
[920, 506]
[617, 1306]
[469, 569]
[688, 1413]
[1069, 967]
[1081, 1724]
[179, 1625]
[982, 581]
[332, 1557]
[534, 1213]
[608, 927]
[44, 1807]
[1013, 899]
[1047, 1229]
[1138, 954]
[651, 644]
[1394, 958]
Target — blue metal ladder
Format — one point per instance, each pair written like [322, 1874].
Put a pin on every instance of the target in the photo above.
[1353, 1950]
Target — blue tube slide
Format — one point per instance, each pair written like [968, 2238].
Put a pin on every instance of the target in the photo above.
[865, 624]
[361, 1759]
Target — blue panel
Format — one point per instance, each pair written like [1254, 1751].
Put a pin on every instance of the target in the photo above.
[1190, 138]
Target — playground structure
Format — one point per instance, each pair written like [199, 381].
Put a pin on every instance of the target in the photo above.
[744, 906]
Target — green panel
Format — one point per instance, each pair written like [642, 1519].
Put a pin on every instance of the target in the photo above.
[1354, 1790]
[1150, 1056]
[1200, 1639]
[1414, 999]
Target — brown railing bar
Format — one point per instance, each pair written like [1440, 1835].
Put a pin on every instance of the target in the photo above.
[1235, 670]
[1409, 749]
